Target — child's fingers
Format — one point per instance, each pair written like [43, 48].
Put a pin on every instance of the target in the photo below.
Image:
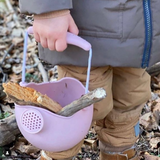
[43, 42]
[51, 44]
[61, 44]
[36, 36]
[73, 27]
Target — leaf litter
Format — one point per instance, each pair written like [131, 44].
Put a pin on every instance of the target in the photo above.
[12, 30]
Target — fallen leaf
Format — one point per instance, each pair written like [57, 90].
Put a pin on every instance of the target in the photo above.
[154, 142]
[17, 40]
[148, 122]
[16, 32]
[150, 157]
[15, 78]
[2, 47]
[156, 112]
[17, 69]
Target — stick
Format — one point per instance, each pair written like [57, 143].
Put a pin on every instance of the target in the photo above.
[40, 67]
[15, 18]
[85, 101]
[6, 53]
[29, 96]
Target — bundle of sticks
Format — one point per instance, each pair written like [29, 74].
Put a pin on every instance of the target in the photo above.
[29, 96]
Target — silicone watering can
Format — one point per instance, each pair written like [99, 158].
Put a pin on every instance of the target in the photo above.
[49, 131]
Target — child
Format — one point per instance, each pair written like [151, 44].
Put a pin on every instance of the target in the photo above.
[125, 39]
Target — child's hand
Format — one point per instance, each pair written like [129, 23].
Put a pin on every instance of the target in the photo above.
[51, 32]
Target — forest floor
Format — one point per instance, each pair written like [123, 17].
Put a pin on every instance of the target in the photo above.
[12, 32]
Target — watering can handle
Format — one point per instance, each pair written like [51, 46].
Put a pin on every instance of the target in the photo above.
[72, 39]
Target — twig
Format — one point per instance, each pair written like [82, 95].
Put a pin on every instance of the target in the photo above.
[6, 53]
[1, 63]
[86, 100]
[5, 76]
[31, 66]
[11, 10]
[28, 96]
[15, 18]
[40, 67]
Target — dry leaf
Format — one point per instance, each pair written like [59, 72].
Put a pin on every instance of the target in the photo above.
[17, 40]
[11, 25]
[150, 135]
[17, 69]
[31, 45]
[16, 32]
[7, 108]
[28, 149]
[2, 47]
[150, 157]
[24, 148]
[156, 112]
[158, 100]
[148, 122]
[154, 142]
[157, 92]
[8, 18]
[4, 31]
[3, 8]
[15, 78]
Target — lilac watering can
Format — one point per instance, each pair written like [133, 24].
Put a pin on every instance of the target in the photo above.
[49, 131]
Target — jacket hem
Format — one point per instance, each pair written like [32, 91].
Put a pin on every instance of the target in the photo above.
[39, 6]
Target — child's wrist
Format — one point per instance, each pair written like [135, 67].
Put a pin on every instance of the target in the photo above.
[52, 14]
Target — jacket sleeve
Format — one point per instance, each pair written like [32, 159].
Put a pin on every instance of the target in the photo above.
[43, 6]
